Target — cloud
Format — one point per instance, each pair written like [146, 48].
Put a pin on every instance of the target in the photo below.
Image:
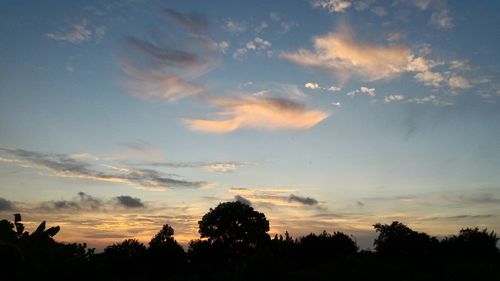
[163, 69]
[362, 90]
[423, 100]
[368, 91]
[263, 25]
[458, 82]
[257, 113]
[86, 202]
[256, 45]
[129, 202]
[441, 19]
[303, 200]
[393, 98]
[80, 32]
[334, 88]
[240, 53]
[379, 11]
[6, 205]
[422, 4]
[430, 78]
[193, 22]
[312, 86]
[342, 54]
[82, 202]
[460, 65]
[221, 167]
[65, 166]
[223, 46]
[243, 200]
[235, 26]
[333, 6]
[273, 197]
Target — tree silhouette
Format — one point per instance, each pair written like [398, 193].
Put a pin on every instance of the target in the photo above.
[165, 257]
[472, 242]
[234, 224]
[326, 247]
[398, 240]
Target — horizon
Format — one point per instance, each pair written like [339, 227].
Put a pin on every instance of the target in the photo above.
[119, 117]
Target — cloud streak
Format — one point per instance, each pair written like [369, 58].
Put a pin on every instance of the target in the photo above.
[257, 113]
[65, 166]
[162, 68]
[273, 197]
[80, 32]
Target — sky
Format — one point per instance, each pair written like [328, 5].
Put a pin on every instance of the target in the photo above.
[117, 117]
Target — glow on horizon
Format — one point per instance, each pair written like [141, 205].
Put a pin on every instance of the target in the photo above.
[119, 117]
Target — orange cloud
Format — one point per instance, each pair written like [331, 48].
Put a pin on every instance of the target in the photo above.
[344, 54]
[257, 112]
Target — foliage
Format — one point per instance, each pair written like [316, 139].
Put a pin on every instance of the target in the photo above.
[234, 245]
[235, 224]
[398, 240]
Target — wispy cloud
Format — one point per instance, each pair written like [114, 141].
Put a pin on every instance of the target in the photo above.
[65, 166]
[79, 32]
[257, 112]
[441, 19]
[344, 55]
[221, 167]
[162, 71]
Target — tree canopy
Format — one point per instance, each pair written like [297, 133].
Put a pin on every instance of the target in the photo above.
[234, 223]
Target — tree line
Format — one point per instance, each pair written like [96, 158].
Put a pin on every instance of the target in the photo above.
[234, 244]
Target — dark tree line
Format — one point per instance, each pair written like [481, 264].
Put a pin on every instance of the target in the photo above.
[234, 245]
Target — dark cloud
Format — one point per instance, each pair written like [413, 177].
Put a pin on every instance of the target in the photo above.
[66, 166]
[303, 200]
[482, 198]
[6, 205]
[85, 202]
[129, 202]
[164, 67]
[165, 55]
[82, 202]
[272, 197]
[243, 200]
[194, 22]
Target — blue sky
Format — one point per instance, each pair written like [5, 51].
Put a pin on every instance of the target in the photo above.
[117, 117]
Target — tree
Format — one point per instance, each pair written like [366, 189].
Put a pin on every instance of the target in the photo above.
[163, 237]
[234, 224]
[165, 256]
[325, 246]
[472, 243]
[398, 240]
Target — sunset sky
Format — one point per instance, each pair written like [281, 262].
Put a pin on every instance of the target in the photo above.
[117, 117]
